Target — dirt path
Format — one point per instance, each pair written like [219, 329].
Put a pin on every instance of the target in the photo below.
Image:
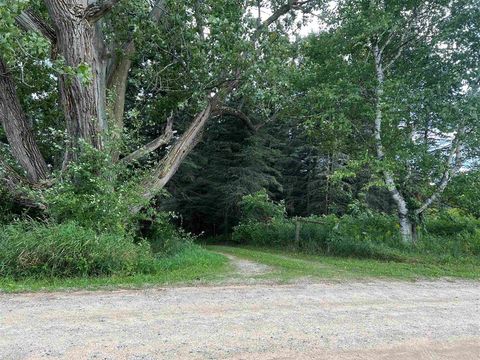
[361, 320]
[247, 268]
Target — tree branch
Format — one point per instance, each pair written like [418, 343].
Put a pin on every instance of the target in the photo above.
[152, 145]
[454, 163]
[226, 110]
[128, 48]
[15, 186]
[117, 74]
[282, 10]
[29, 21]
[20, 136]
[99, 9]
[169, 165]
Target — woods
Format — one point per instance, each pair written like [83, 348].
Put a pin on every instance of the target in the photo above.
[159, 121]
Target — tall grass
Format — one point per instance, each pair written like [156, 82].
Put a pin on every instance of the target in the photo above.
[444, 237]
[68, 250]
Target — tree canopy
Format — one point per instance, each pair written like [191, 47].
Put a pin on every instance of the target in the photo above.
[113, 108]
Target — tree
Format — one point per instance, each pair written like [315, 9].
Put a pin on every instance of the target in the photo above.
[91, 49]
[423, 115]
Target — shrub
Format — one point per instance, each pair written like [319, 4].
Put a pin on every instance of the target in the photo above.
[451, 222]
[92, 192]
[68, 250]
[362, 237]
[276, 233]
[164, 237]
[259, 207]
[450, 234]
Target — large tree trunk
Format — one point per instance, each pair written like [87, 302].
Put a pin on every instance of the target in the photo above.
[82, 101]
[19, 134]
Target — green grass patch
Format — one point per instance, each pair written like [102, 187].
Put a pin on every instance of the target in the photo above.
[291, 265]
[192, 264]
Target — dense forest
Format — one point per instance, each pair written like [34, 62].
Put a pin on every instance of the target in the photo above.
[132, 128]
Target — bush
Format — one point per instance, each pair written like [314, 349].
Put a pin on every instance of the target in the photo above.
[362, 237]
[259, 207]
[92, 192]
[451, 222]
[68, 250]
[164, 237]
[278, 233]
[446, 236]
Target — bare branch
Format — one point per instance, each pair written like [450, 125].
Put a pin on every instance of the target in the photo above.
[282, 10]
[152, 145]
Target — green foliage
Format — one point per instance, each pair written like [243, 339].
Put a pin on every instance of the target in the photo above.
[451, 233]
[189, 265]
[363, 237]
[464, 193]
[164, 237]
[68, 250]
[259, 207]
[446, 236]
[7, 207]
[92, 193]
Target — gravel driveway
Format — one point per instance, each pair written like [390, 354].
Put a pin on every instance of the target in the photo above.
[360, 320]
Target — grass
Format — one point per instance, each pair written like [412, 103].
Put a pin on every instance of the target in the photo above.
[192, 264]
[290, 265]
[195, 264]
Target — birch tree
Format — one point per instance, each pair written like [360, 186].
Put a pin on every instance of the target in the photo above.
[422, 99]
[418, 24]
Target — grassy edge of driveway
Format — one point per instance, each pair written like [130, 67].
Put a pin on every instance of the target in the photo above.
[200, 266]
[193, 265]
[290, 265]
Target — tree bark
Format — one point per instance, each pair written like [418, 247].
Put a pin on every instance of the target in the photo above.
[152, 145]
[19, 134]
[172, 161]
[403, 211]
[77, 41]
[118, 76]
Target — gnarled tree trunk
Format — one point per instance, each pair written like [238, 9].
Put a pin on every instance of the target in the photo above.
[82, 99]
[19, 134]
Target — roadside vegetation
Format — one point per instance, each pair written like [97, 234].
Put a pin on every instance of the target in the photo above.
[288, 266]
[448, 243]
[175, 121]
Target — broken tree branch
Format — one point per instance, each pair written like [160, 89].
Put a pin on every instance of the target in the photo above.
[152, 145]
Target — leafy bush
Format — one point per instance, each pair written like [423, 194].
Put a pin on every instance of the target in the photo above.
[259, 207]
[450, 234]
[91, 192]
[6, 207]
[445, 236]
[276, 233]
[451, 222]
[164, 237]
[328, 235]
[67, 250]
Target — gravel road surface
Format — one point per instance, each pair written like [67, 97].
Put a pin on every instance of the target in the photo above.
[348, 320]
